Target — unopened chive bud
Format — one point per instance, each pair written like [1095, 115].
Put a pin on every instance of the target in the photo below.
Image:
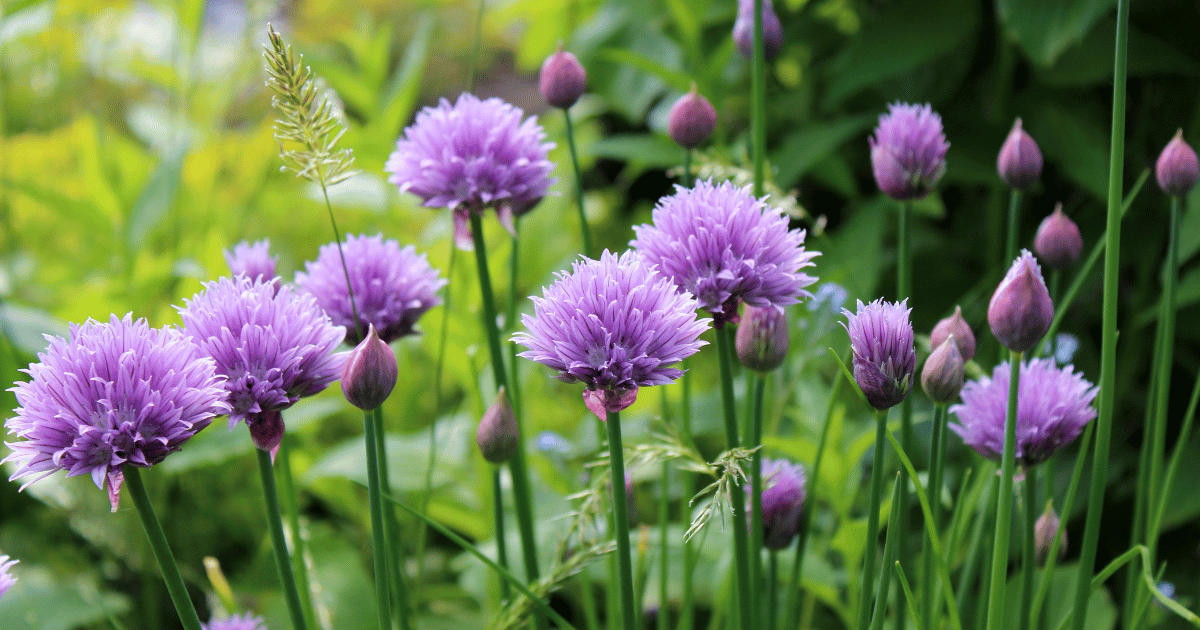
[955, 326]
[692, 120]
[1020, 311]
[743, 30]
[1020, 159]
[762, 338]
[942, 376]
[1044, 531]
[266, 430]
[370, 372]
[1058, 242]
[1177, 168]
[562, 80]
[498, 434]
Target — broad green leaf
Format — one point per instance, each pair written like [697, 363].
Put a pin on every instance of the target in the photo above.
[1101, 612]
[404, 86]
[1046, 28]
[1091, 61]
[156, 199]
[674, 78]
[39, 601]
[810, 144]
[1076, 143]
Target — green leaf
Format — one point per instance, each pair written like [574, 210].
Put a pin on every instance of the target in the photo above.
[810, 144]
[1075, 142]
[646, 150]
[38, 602]
[1046, 28]
[404, 86]
[670, 76]
[156, 199]
[1101, 613]
[1091, 61]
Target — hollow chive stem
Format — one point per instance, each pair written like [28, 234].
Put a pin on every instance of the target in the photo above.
[867, 594]
[1170, 278]
[379, 555]
[997, 583]
[687, 168]
[1031, 515]
[737, 496]
[162, 551]
[756, 490]
[686, 611]
[758, 122]
[584, 233]
[1108, 343]
[501, 541]
[937, 442]
[520, 474]
[1014, 225]
[889, 557]
[275, 524]
[1052, 557]
[391, 529]
[904, 265]
[620, 508]
[664, 566]
[292, 510]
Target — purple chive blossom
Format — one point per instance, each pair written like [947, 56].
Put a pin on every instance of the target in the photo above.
[720, 244]
[908, 151]
[743, 30]
[614, 324]
[1053, 405]
[473, 155]
[1177, 167]
[275, 348]
[782, 501]
[111, 394]
[393, 287]
[885, 359]
[252, 259]
[236, 622]
[1021, 311]
[6, 579]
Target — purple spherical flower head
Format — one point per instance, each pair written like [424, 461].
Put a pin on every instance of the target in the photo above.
[111, 394]
[275, 348]
[908, 151]
[6, 579]
[720, 244]
[743, 30]
[1053, 405]
[472, 155]
[614, 324]
[236, 622]
[881, 337]
[253, 260]
[782, 501]
[393, 287]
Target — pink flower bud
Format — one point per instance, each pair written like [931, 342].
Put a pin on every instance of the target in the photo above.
[957, 327]
[1058, 242]
[1044, 531]
[370, 372]
[1020, 311]
[498, 434]
[942, 376]
[266, 429]
[692, 120]
[743, 30]
[762, 338]
[1177, 168]
[1020, 159]
[562, 80]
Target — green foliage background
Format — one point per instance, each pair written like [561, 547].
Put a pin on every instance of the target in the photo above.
[136, 146]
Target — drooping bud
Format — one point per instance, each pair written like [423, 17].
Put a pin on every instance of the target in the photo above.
[955, 326]
[1044, 531]
[692, 120]
[562, 80]
[1020, 159]
[370, 372]
[942, 376]
[266, 430]
[1177, 168]
[762, 338]
[1058, 242]
[1020, 311]
[743, 30]
[498, 434]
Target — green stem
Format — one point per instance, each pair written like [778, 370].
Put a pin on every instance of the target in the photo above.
[423, 531]
[937, 456]
[1052, 557]
[772, 590]
[904, 265]
[889, 557]
[664, 565]
[278, 541]
[758, 122]
[299, 570]
[501, 540]
[520, 474]
[620, 509]
[337, 238]
[998, 584]
[1164, 370]
[867, 595]
[162, 551]
[756, 490]
[976, 553]
[1108, 345]
[1031, 515]
[391, 526]
[687, 168]
[583, 226]
[1014, 223]
[1176, 455]
[686, 611]
[737, 496]
[1137, 530]
[1051, 343]
[383, 596]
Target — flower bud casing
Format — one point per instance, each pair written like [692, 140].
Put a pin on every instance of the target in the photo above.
[1020, 159]
[1177, 168]
[1058, 242]
[369, 373]
[942, 376]
[498, 434]
[957, 326]
[266, 429]
[762, 338]
[562, 80]
[692, 120]
[743, 30]
[1020, 311]
[1044, 531]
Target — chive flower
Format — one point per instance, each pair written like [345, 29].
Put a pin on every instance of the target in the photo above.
[782, 501]
[6, 579]
[1020, 160]
[692, 120]
[393, 286]
[109, 395]
[252, 259]
[954, 326]
[1177, 168]
[723, 246]
[908, 151]
[743, 30]
[1053, 406]
[1021, 311]
[472, 155]
[614, 324]
[236, 622]
[881, 337]
[1058, 242]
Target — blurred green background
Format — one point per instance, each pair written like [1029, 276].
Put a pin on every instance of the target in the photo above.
[136, 145]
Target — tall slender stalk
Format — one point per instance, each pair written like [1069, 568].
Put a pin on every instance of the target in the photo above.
[620, 509]
[501, 539]
[686, 611]
[379, 555]
[162, 551]
[867, 594]
[1165, 360]
[1108, 344]
[391, 530]
[687, 168]
[299, 570]
[889, 557]
[754, 430]
[275, 523]
[904, 263]
[929, 607]
[1052, 557]
[1031, 516]
[1014, 223]
[664, 565]
[758, 80]
[584, 234]
[998, 583]
[737, 496]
